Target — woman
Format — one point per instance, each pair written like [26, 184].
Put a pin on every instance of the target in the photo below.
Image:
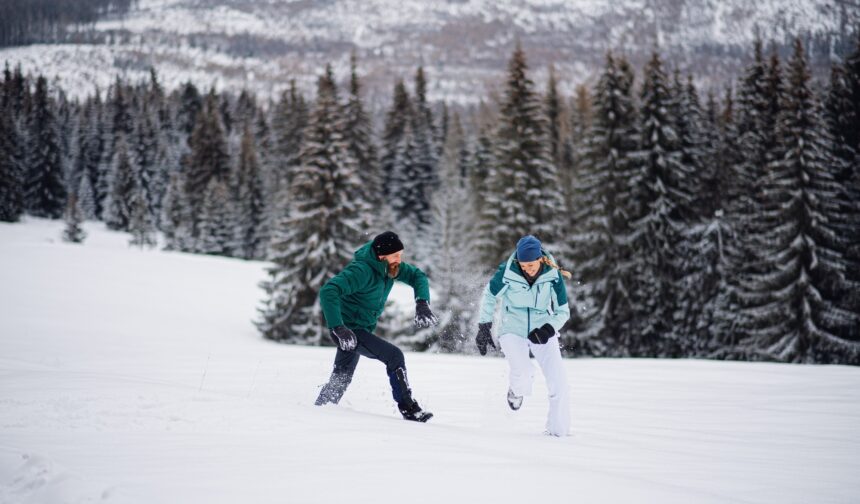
[533, 310]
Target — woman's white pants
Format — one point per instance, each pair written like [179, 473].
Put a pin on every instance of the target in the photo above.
[548, 356]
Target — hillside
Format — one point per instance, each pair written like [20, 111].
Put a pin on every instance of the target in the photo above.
[464, 43]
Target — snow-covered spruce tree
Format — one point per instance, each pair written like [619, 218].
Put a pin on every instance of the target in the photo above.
[103, 143]
[288, 126]
[842, 115]
[660, 191]
[45, 192]
[358, 134]
[484, 202]
[176, 216]
[397, 119]
[795, 320]
[747, 201]
[140, 223]
[11, 167]
[214, 231]
[250, 202]
[455, 280]
[87, 155]
[209, 157]
[530, 198]
[73, 233]
[86, 197]
[190, 107]
[266, 159]
[573, 149]
[322, 230]
[556, 127]
[700, 239]
[145, 149]
[602, 268]
[416, 221]
[724, 327]
[118, 208]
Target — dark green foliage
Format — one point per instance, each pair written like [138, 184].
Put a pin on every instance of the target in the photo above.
[45, 192]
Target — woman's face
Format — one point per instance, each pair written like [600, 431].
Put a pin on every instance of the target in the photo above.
[531, 268]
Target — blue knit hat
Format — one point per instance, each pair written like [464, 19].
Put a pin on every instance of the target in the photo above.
[528, 249]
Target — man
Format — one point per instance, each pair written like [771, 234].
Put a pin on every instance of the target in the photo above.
[352, 302]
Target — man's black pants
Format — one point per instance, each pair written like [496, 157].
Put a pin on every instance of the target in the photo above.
[373, 347]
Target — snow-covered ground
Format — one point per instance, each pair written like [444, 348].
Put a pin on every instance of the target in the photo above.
[136, 376]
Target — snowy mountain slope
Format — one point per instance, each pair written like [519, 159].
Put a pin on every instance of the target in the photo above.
[135, 376]
[464, 44]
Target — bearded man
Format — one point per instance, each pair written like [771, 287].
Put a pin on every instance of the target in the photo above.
[352, 302]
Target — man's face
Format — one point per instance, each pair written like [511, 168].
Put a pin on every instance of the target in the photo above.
[530, 267]
[393, 261]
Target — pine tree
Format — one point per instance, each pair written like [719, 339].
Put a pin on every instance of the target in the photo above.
[573, 148]
[396, 124]
[214, 231]
[318, 237]
[122, 186]
[602, 213]
[209, 157]
[484, 201]
[416, 221]
[87, 158]
[140, 223]
[358, 133]
[86, 197]
[747, 201]
[176, 223]
[842, 114]
[555, 113]
[103, 144]
[45, 194]
[660, 193]
[190, 106]
[530, 198]
[145, 150]
[455, 280]
[250, 201]
[11, 167]
[73, 233]
[288, 125]
[795, 319]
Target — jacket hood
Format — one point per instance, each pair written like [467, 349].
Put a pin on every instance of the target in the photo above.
[366, 255]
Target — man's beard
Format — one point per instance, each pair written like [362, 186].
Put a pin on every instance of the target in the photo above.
[393, 270]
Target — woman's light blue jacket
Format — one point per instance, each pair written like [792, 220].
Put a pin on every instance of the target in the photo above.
[525, 307]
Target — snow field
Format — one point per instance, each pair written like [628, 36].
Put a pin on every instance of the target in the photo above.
[136, 376]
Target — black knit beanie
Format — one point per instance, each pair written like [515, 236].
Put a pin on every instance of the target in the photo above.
[387, 243]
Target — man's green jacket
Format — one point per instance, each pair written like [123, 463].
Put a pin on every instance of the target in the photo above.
[356, 296]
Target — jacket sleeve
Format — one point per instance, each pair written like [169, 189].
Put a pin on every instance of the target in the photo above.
[417, 279]
[488, 304]
[562, 310]
[350, 280]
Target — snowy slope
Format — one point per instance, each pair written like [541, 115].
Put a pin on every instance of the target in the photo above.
[261, 44]
[135, 376]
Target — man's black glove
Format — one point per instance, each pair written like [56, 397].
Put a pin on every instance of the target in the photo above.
[484, 337]
[346, 339]
[423, 316]
[542, 334]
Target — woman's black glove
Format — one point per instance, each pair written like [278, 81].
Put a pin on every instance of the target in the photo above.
[542, 334]
[346, 339]
[423, 316]
[484, 337]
